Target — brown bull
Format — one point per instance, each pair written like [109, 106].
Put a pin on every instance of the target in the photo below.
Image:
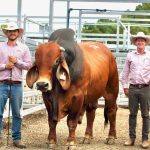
[72, 77]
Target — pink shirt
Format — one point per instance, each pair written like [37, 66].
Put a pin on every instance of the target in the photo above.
[21, 51]
[136, 69]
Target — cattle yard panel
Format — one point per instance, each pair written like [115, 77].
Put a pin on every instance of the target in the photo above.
[32, 98]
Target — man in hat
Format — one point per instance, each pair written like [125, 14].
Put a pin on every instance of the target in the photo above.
[136, 74]
[14, 58]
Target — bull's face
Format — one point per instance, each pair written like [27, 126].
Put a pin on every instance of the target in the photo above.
[49, 64]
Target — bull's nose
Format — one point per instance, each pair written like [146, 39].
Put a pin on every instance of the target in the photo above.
[42, 86]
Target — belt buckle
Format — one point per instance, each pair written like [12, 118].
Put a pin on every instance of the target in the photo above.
[140, 86]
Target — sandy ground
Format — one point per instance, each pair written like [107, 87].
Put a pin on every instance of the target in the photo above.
[35, 130]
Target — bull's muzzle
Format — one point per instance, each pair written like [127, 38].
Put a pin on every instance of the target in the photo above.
[42, 86]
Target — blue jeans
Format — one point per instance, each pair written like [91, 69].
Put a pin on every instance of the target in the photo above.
[15, 103]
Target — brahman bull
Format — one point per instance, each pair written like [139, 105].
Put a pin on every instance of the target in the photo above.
[72, 77]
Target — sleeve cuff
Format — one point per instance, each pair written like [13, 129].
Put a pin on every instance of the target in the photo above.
[125, 86]
[3, 66]
[18, 61]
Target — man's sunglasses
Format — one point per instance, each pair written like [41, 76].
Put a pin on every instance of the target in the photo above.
[13, 30]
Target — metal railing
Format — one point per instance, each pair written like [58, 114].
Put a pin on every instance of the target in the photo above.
[37, 27]
[36, 31]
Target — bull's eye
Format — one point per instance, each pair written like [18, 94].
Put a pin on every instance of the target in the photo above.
[57, 62]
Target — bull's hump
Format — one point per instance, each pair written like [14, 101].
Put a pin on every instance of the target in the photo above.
[62, 34]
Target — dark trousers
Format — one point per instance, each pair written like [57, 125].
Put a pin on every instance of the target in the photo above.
[139, 97]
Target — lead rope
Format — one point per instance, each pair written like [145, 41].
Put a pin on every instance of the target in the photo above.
[8, 133]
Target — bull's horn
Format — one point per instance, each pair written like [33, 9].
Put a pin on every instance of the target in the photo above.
[62, 48]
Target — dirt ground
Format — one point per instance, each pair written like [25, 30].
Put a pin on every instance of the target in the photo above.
[35, 131]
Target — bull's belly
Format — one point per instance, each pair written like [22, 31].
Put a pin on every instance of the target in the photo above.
[62, 114]
[91, 99]
[93, 95]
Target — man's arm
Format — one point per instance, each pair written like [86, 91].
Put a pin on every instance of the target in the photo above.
[125, 76]
[25, 63]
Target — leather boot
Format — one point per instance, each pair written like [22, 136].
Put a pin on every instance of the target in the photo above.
[18, 144]
[145, 144]
[130, 142]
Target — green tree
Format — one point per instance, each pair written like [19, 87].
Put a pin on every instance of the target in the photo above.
[145, 7]
[112, 29]
[101, 27]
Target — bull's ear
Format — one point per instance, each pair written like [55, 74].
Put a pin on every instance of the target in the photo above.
[32, 76]
[63, 75]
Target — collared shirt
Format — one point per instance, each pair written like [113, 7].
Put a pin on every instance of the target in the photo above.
[21, 51]
[136, 69]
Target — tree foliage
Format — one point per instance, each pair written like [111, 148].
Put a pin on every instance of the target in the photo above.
[101, 27]
[145, 7]
[112, 28]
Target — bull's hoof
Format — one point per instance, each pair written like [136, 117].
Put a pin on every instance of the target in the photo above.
[85, 141]
[51, 146]
[110, 141]
[71, 146]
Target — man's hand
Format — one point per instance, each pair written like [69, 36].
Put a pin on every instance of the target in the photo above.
[12, 59]
[126, 91]
[9, 65]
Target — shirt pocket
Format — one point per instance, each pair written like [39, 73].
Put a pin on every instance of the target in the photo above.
[147, 61]
[19, 54]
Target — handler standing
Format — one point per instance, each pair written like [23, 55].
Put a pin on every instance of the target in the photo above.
[136, 74]
[14, 57]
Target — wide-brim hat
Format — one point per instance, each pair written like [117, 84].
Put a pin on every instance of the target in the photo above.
[133, 38]
[12, 26]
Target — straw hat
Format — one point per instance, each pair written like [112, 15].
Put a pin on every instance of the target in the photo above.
[12, 26]
[133, 38]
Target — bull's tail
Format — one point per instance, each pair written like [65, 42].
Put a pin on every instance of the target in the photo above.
[106, 118]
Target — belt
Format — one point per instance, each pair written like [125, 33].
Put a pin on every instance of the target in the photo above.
[7, 81]
[139, 85]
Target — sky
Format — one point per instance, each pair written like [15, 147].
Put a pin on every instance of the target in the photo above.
[41, 7]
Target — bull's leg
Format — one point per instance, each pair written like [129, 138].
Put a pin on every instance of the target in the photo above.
[81, 114]
[72, 120]
[52, 134]
[72, 124]
[110, 114]
[90, 115]
[111, 93]
[52, 139]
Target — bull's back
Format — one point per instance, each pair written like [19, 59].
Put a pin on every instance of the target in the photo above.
[97, 58]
